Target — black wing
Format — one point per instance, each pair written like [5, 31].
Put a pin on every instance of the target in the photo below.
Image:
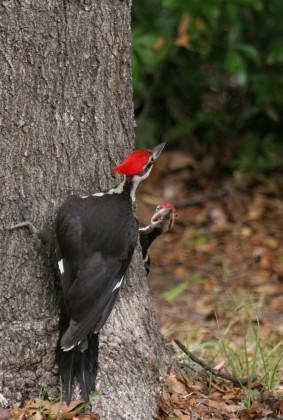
[91, 297]
[90, 277]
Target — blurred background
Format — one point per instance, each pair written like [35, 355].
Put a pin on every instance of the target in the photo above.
[208, 80]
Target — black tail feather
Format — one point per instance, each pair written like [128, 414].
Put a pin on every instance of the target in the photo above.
[87, 365]
[67, 365]
[66, 360]
[83, 365]
[75, 363]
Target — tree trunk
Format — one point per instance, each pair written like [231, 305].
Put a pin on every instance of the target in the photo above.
[66, 118]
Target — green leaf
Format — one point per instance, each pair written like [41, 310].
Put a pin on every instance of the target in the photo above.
[276, 55]
[175, 291]
[201, 240]
[143, 49]
[250, 52]
[144, 40]
[236, 66]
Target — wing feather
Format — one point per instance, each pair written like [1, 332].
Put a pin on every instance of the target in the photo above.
[91, 297]
[95, 256]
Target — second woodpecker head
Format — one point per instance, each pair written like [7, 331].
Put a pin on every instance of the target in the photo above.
[139, 163]
[164, 217]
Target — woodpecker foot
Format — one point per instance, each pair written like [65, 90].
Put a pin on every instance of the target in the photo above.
[42, 235]
[27, 224]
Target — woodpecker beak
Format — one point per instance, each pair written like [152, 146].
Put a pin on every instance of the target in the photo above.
[157, 150]
[163, 214]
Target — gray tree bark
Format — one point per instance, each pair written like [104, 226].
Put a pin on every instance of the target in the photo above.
[66, 118]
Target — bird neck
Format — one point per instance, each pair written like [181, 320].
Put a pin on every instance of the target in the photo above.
[131, 185]
[147, 236]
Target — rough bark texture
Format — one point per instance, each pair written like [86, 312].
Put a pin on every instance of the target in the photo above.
[65, 121]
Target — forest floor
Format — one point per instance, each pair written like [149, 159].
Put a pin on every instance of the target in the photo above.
[217, 282]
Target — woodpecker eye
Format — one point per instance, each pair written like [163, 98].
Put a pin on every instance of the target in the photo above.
[148, 165]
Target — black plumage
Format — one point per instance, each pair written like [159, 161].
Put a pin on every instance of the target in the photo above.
[147, 236]
[95, 240]
[95, 237]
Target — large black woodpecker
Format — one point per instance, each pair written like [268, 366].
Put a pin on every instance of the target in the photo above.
[162, 221]
[95, 239]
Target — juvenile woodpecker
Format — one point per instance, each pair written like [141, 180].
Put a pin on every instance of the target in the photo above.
[95, 239]
[162, 221]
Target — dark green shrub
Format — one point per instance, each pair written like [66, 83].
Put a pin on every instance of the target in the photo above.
[211, 70]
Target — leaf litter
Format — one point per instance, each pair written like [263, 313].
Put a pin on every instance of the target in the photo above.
[220, 270]
[216, 279]
[38, 409]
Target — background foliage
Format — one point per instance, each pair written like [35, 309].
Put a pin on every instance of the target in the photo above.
[208, 77]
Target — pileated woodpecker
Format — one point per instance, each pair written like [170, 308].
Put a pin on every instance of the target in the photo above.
[95, 239]
[162, 220]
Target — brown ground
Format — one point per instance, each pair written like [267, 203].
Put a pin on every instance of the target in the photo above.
[217, 282]
[225, 258]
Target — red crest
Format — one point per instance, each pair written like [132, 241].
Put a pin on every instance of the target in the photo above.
[167, 206]
[134, 163]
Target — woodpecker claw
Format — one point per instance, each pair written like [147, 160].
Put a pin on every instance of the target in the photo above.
[27, 224]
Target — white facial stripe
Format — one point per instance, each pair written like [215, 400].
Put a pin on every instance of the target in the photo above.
[115, 190]
[136, 180]
[61, 266]
[118, 285]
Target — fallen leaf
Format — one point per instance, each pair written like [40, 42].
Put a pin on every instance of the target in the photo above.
[176, 385]
[218, 405]
[272, 243]
[183, 39]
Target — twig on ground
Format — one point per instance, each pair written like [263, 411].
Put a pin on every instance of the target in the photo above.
[236, 381]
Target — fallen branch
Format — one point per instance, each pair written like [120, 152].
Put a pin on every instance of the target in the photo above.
[202, 198]
[236, 381]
